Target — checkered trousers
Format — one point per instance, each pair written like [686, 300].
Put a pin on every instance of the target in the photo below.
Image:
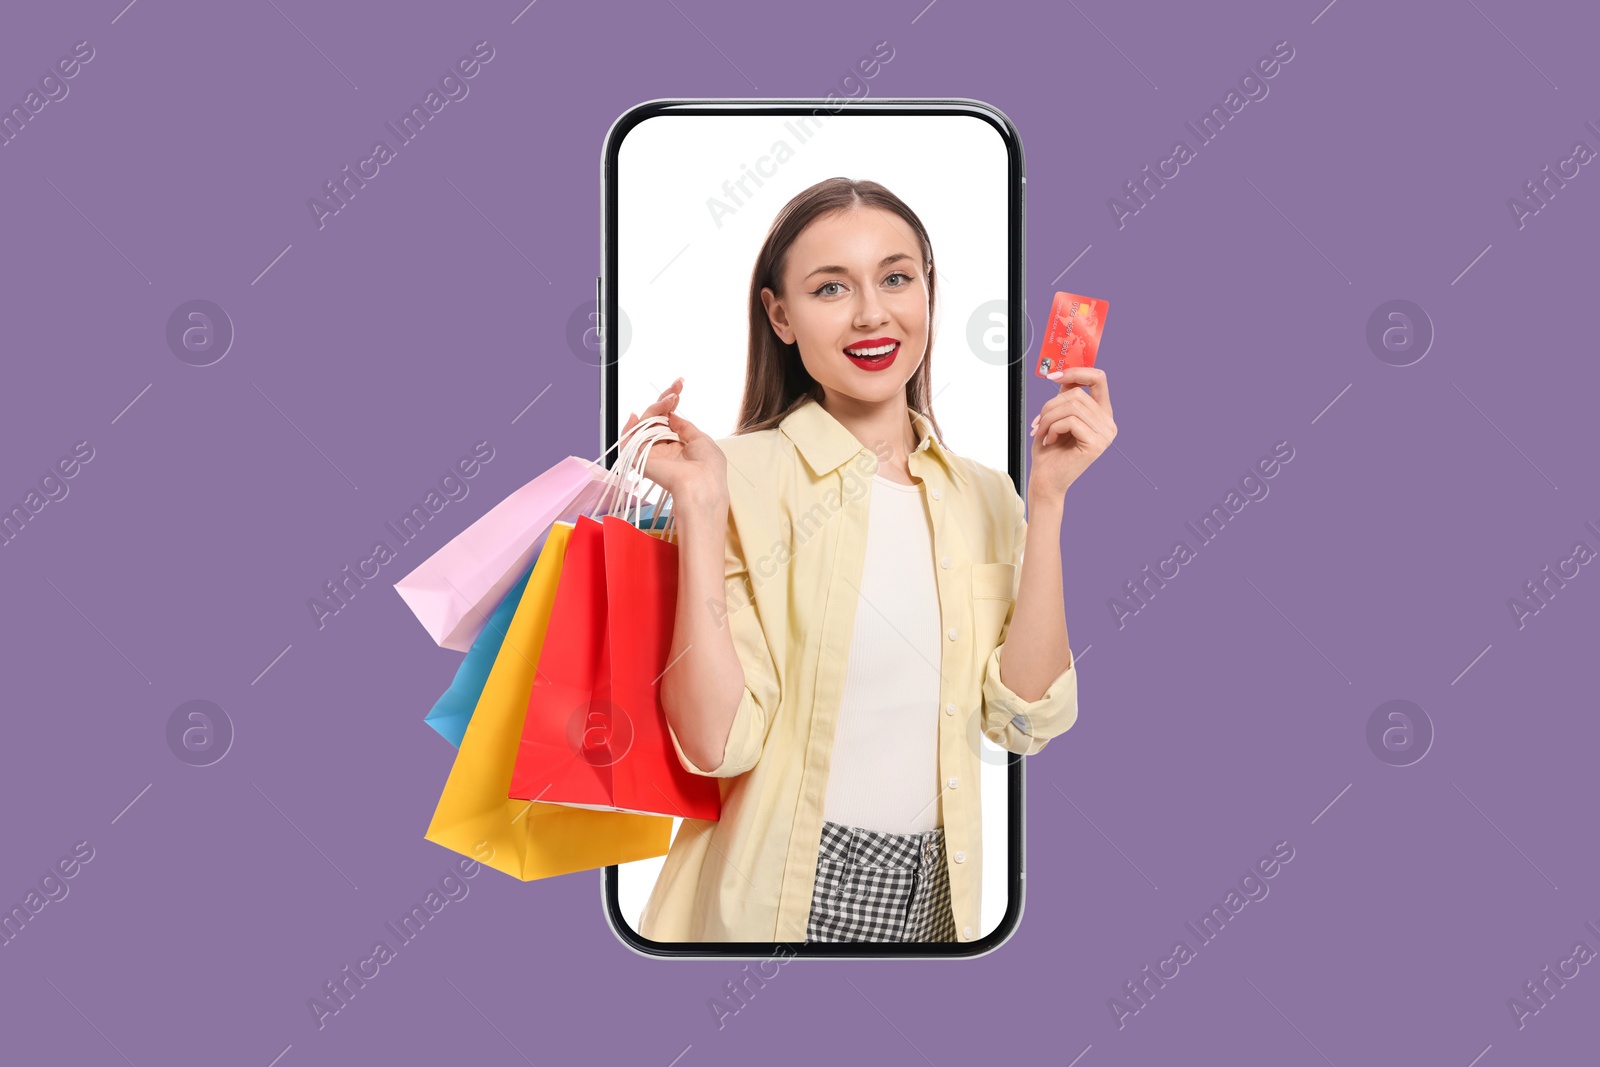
[877, 886]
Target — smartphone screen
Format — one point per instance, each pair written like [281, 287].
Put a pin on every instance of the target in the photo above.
[692, 190]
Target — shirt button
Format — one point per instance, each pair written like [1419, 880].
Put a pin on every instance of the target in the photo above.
[961, 857]
[954, 782]
[952, 633]
[949, 709]
[937, 494]
[944, 561]
[966, 931]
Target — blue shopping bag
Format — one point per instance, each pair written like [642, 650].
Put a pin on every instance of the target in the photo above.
[453, 710]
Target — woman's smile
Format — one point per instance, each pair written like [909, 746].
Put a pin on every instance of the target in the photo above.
[876, 353]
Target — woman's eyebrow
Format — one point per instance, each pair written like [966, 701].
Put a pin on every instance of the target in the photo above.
[884, 262]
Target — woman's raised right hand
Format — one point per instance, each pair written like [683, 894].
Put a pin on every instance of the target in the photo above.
[692, 468]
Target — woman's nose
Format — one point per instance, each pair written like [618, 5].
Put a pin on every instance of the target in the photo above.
[870, 312]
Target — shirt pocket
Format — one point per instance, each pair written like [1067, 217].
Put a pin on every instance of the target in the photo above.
[993, 593]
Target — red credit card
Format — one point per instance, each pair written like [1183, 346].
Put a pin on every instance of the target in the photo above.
[1072, 337]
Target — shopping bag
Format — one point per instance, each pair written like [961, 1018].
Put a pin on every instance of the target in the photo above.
[524, 840]
[595, 734]
[641, 611]
[453, 710]
[453, 591]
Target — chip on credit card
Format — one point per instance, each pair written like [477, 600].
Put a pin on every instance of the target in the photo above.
[1072, 336]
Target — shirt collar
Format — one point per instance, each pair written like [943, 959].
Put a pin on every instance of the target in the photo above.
[826, 444]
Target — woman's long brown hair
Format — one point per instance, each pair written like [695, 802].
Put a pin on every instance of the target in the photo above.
[776, 380]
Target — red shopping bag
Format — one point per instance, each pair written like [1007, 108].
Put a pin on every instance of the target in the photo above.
[642, 603]
[595, 734]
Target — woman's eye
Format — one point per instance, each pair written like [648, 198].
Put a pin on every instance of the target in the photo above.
[834, 288]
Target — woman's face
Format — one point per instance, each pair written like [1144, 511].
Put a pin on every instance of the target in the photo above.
[854, 283]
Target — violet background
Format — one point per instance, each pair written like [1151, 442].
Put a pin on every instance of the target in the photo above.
[1228, 715]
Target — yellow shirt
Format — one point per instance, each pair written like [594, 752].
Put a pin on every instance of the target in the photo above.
[797, 518]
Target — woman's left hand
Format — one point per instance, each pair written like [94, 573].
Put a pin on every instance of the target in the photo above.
[1070, 431]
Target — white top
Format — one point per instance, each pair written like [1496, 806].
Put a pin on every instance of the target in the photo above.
[885, 771]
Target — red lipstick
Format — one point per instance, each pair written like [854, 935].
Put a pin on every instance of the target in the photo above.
[879, 360]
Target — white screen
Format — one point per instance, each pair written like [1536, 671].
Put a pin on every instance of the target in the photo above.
[683, 277]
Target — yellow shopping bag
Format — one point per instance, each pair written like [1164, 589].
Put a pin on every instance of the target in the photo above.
[529, 840]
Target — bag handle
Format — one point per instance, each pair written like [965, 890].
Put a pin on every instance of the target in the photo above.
[669, 530]
[647, 442]
[616, 475]
[622, 493]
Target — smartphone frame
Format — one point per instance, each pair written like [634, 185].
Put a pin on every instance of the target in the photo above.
[1017, 344]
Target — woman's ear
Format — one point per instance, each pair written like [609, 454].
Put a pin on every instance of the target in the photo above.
[777, 316]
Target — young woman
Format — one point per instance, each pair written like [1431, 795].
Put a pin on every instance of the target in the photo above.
[837, 673]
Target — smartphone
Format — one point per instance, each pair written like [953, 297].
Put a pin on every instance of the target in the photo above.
[690, 190]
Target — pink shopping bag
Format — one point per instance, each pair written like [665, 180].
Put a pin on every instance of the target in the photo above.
[454, 591]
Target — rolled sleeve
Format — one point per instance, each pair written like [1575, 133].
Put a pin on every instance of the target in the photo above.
[1017, 725]
[747, 736]
[1025, 726]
